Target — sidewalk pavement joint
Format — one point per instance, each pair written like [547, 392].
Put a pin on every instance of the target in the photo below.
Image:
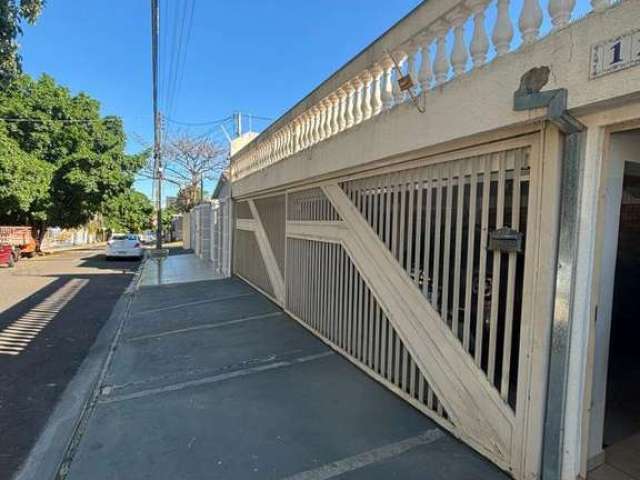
[207, 326]
[192, 304]
[370, 457]
[205, 372]
[215, 378]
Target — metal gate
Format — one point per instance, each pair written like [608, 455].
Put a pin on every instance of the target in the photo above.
[424, 276]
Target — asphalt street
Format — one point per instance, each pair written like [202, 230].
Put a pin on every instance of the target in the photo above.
[51, 310]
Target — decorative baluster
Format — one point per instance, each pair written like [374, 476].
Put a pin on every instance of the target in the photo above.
[387, 86]
[366, 79]
[412, 68]
[459, 55]
[480, 40]
[503, 31]
[328, 106]
[441, 64]
[323, 112]
[560, 12]
[306, 129]
[303, 131]
[296, 135]
[398, 94]
[356, 83]
[348, 88]
[270, 151]
[600, 5]
[376, 101]
[314, 125]
[300, 133]
[275, 142]
[335, 123]
[530, 21]
[287, 141]
[342, 117]
[425, 75]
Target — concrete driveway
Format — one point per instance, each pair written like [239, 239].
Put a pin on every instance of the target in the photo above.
[210, 380]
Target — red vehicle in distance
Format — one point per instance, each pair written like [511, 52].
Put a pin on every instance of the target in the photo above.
[19, 240]
[7, 255]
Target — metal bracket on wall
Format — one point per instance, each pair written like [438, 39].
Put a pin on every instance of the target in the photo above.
[529, 97]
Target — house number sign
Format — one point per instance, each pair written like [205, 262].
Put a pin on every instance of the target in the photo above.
[615, 54]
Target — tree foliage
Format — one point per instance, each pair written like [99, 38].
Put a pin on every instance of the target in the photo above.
[12, 15]
[84, 152]
[131, 211]
[24, 183]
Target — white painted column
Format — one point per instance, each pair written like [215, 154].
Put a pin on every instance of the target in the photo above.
[425, 75]
[349, 117]
[459, 53]
[376, 101]
[398, 95]
[600, 5]
[387, 86]
[357, 84]
[503, 30]
[441, 63]
[479, 40]
[366, 79]
[530, 21]
[560, 12]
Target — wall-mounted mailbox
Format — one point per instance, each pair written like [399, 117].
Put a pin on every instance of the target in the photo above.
[505, 239]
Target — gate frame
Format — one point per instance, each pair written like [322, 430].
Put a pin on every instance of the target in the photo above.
[545, 142]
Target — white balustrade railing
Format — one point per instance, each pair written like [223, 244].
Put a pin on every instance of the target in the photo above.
[432, 54]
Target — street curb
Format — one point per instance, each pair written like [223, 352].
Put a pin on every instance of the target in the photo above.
[87, 246]
[56, 439]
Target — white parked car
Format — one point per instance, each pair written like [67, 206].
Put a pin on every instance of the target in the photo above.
[124, 245]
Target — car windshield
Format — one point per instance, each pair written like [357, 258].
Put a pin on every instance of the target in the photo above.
[132, 237]
[119, 237]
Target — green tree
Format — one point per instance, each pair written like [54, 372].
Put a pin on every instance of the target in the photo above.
[24, 184]
[85, 151]
[12, 15]
[131, 211]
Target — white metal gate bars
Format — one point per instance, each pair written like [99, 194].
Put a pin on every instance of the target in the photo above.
[424, 276]
[436, 222]
[326, 292]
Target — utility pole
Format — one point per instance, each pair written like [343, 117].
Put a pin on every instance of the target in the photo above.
[155, 20]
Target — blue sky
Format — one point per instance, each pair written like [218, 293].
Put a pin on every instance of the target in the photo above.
[258, 56]
[254, 56]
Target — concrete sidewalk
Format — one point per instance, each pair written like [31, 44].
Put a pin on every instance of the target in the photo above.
[210, 380]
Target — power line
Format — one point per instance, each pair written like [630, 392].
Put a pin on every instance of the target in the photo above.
[43, 120]
[197, 124]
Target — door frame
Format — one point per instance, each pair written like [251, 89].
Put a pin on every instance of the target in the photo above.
[610, 201]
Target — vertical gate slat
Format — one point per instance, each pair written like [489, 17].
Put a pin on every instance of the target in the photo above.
[426, 271]
[437, 241]
[473, 196]
[495, 277]
[446, 258]
[418, 234]
[402, 226]
[484, 231]
[387, 215]
[394, 215]
[511, 279]
[410, 224]
[376, 352]
[455, 308]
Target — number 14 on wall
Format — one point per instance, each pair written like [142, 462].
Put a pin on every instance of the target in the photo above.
[615, 54]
